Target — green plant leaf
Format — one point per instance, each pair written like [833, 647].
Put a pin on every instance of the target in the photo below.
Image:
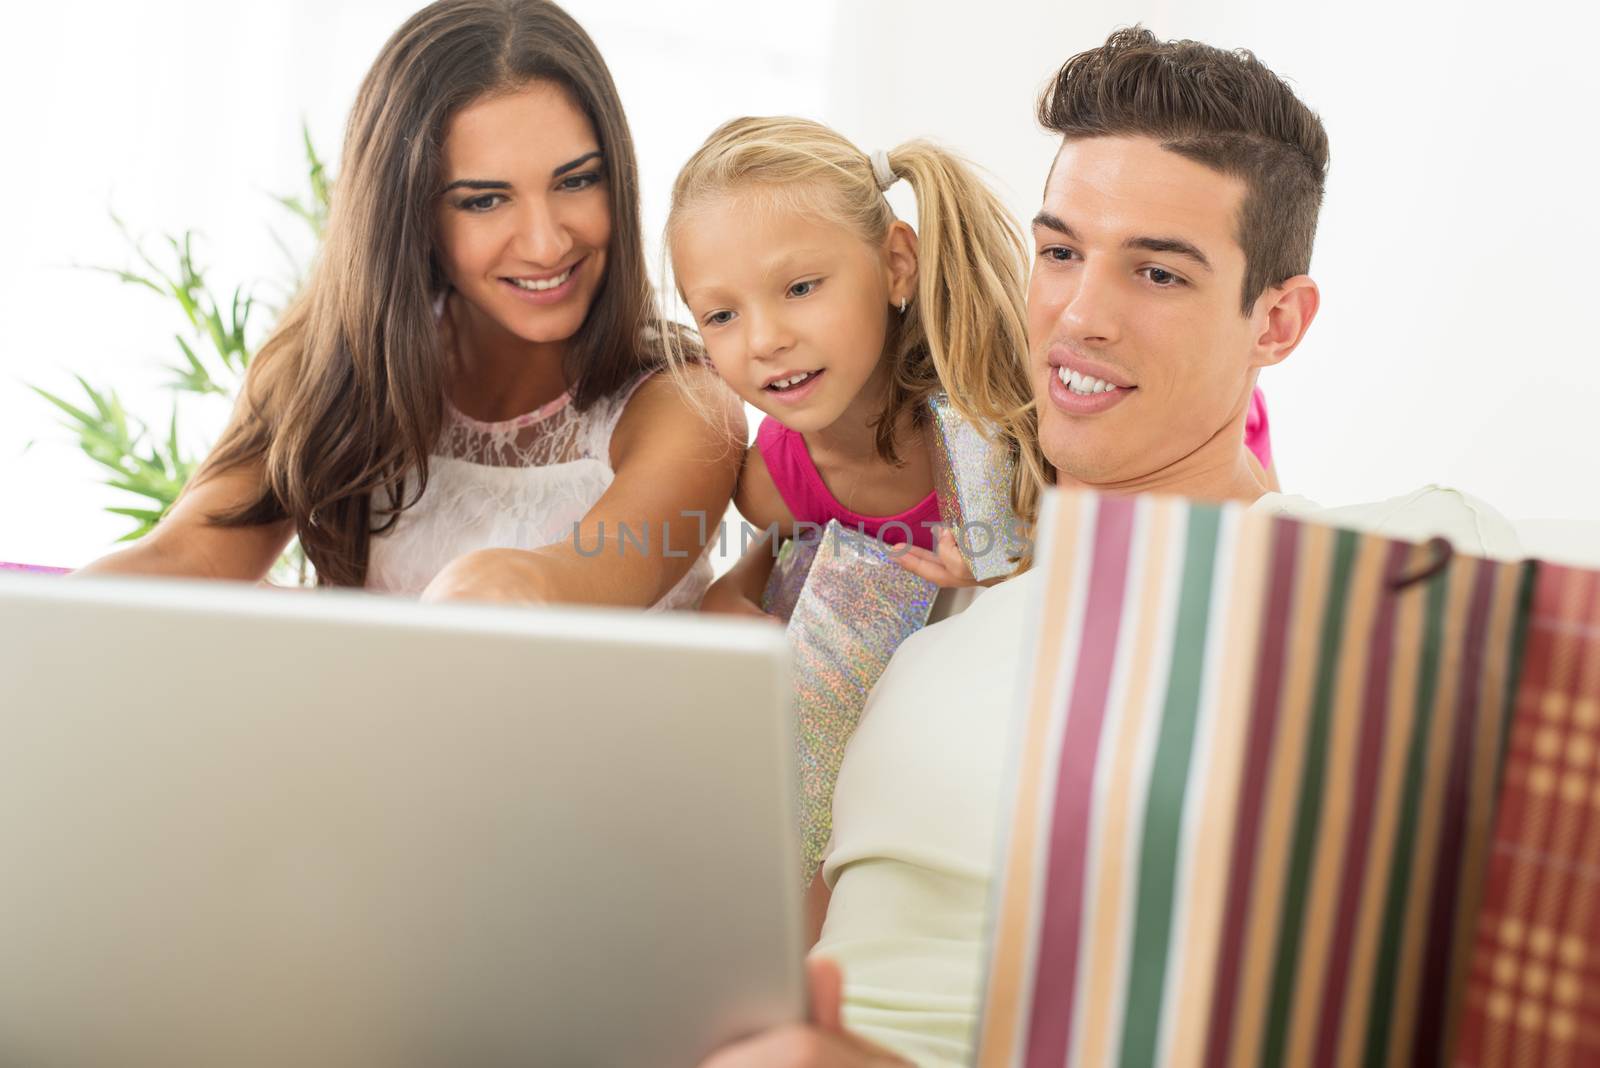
[76, 413]
[132, 457]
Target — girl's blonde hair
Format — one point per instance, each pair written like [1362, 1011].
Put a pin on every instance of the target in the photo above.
[965, 331]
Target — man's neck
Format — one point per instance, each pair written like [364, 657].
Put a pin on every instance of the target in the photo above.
[1222, 469]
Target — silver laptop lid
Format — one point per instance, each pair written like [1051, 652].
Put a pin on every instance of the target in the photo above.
[247, 828]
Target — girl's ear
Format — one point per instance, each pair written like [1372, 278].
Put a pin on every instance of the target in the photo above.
[900, 261]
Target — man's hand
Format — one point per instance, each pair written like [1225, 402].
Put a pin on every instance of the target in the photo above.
[823, 1043]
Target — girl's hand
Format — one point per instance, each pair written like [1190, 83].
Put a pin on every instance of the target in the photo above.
[725, 599]
[946, 567]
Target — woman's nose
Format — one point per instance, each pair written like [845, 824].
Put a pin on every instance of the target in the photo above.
[542, 238]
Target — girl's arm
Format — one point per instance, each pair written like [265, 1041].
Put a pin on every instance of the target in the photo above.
[675, 469]
[739, 591]
[186, 543]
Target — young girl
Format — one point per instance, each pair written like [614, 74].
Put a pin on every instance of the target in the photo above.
[826, 312]
[461, 403]
[839, 321]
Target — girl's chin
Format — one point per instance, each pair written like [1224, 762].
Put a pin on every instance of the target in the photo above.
[806, 420]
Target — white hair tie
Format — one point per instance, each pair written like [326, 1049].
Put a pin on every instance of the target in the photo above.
[881, 170]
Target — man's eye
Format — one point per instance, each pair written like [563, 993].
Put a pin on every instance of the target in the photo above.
[1057, 253]
[804, 289]
[1162, 278]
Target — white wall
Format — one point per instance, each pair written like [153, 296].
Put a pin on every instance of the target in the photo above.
[1453, 346]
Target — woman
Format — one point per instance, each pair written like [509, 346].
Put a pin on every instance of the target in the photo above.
[461, 404]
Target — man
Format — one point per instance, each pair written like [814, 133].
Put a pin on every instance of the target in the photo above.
[1171, 248]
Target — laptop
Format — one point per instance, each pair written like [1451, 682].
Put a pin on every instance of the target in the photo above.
[247, 828]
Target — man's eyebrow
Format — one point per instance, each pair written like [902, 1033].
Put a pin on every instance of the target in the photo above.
[1053, 222]
[1175, 245]
[1045, 220]
[580, 161]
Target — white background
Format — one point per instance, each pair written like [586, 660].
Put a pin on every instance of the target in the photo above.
[1455, 344]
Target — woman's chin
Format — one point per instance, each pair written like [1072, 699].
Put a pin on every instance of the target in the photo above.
[541, 328]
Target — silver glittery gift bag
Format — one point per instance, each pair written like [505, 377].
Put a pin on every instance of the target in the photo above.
[855, 609]
[972, 472]
[789, 573]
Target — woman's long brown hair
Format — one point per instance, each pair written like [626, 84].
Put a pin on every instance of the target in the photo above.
[347, 394]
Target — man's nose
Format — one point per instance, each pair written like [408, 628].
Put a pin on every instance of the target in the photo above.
[542, 237]
[1091, 311]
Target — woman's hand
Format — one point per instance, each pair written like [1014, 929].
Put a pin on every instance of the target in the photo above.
[946, 567]
[496, 576]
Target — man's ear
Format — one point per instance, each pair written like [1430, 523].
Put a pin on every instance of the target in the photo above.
[900, 261]
[1282, 315]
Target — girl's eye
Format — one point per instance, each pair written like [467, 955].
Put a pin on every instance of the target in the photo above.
[719, 318]
[480, 203]
[574, 182]
[1163, 278]
[804, 289]
[1057, 253]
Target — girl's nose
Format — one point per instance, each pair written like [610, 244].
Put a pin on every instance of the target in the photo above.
[768, 336]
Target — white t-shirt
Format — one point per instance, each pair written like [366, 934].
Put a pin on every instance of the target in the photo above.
[916, 806]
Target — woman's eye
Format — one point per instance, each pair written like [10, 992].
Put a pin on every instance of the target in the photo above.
[804, 289]
[1164, 279]
[574, 182]
[481, 203]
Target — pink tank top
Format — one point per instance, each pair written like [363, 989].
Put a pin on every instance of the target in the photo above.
[1257, 435]
[802, 489]
[809, 500]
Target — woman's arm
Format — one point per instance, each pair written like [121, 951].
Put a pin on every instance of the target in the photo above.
[186, 543]
[676, 459]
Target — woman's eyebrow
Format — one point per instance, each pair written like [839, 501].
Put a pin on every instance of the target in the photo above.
[580, 161]
[480, 185]
[474, 183]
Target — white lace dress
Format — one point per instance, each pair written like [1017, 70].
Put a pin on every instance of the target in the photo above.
[521, 483]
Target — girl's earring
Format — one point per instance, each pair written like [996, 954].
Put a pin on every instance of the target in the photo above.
[902, 305]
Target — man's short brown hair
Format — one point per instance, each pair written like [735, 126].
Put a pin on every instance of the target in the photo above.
[1222, 109]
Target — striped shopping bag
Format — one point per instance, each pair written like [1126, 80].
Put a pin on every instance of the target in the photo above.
[1255, 781]
[1533, 997]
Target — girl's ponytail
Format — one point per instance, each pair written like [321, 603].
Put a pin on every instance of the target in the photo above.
[971, 315]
